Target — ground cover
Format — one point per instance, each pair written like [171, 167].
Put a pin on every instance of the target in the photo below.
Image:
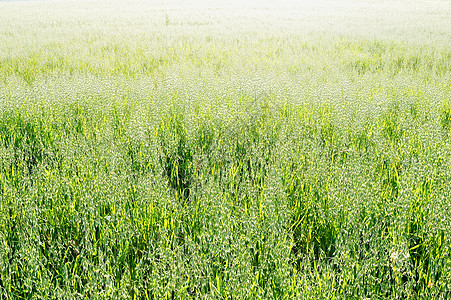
[152, 151]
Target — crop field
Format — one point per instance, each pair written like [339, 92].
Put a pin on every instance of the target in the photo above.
[216, 150]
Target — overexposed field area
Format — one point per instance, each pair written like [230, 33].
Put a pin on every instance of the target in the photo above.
[225, 149]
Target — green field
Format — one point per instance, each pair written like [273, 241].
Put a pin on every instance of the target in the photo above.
[184, 150]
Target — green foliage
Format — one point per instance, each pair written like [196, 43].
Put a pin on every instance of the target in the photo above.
[30, 139]
[176, 153]
[315, 229]
[158, 162]
[445, 116]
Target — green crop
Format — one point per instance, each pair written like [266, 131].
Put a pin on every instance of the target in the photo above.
[155, 152]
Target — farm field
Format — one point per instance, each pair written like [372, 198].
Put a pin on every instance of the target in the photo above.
[218, 150]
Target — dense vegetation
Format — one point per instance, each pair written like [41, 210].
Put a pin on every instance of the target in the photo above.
[252, 164]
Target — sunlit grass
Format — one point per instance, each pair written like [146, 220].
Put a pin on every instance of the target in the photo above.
[152, 152]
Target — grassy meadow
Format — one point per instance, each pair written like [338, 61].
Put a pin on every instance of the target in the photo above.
[174, 150]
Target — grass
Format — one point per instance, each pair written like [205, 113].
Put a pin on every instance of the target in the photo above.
[221, 153]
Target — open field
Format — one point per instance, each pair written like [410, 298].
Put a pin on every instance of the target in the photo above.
[175, 150]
